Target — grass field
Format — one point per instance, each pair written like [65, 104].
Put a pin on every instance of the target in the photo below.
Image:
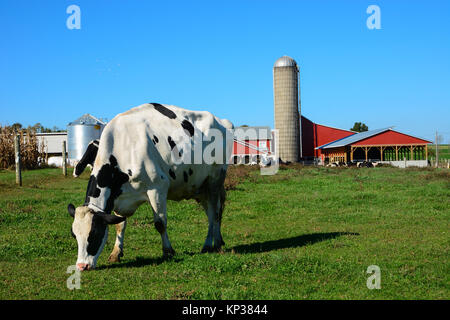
[305, 233]
[444, 151]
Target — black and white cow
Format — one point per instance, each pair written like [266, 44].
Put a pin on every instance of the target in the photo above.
[138, 160]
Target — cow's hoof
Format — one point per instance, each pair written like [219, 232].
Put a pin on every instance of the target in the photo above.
[206, 249]
[114, 257]
[168, 253]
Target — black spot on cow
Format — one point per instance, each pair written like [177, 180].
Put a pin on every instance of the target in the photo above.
[110, 176]
[163, 110]
[92, 190]
[113, 160]
[190, 172]
[88, 157]
[130, 173]
[188, 126]
[98, 229]
[185, 176]
[172, 144]
[155, 139]
[172, 174]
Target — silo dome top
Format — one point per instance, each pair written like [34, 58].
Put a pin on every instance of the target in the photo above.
[86, 119]
[285, 61]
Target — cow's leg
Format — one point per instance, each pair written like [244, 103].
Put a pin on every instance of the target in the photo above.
[214, 205]
[208, 245]
[218, 240]
[158, 202]
[117, 252]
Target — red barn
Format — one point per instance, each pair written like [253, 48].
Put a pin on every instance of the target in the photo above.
[250, 143]
[377, 145]
[315, 135]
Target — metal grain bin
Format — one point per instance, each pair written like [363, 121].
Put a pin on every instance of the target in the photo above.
[80, 132]
[286, 108]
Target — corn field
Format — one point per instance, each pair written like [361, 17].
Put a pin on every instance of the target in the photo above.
[31, 151]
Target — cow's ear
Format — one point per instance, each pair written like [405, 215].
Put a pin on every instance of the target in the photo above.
[71, 209]
[110, 218]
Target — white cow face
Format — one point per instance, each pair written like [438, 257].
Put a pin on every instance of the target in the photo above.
[91, 232]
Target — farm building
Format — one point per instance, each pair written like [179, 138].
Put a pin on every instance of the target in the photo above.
[300, 139]
[381, 145]
[82, 131]
[77, 137]
[51, 142]
[250, 143]
[315, 135]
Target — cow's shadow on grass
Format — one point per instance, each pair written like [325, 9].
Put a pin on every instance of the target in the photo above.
[292, 242]
[139, 262]
[265, 246]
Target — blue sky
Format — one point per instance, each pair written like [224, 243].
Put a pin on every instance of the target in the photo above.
[218, 56]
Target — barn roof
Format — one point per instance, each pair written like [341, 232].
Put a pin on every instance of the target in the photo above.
[353, 138]
[370, 137]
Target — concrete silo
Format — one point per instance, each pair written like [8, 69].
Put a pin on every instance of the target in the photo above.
[286, 108]
[80, 132]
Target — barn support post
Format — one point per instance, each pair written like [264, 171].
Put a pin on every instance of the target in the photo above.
[64, 158]
[367, 149]
[396, 153]
[381, 153]
[426, 152]
[18, 160]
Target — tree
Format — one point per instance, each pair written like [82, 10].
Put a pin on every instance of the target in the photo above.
[37, 127]
[359, 127]
[16, 126]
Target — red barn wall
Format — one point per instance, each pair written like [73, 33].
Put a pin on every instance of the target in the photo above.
[239, 149]
[315, 135]
[308, 139]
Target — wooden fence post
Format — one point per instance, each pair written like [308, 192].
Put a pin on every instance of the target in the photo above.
[64, 158]
[18, 160]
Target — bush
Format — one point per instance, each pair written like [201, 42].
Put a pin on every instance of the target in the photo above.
[237, 174]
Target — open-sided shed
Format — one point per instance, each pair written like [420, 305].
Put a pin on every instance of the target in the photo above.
[376, 145]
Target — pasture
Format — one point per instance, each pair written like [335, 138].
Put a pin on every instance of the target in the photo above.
[305, 233]
[444, 151]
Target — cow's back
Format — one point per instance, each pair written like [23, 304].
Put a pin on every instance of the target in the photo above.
[147, 142]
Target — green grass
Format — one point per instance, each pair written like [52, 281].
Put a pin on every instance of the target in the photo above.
[444, 151]
[305, 233]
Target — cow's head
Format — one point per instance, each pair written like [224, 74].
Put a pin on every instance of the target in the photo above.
[91, 232]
